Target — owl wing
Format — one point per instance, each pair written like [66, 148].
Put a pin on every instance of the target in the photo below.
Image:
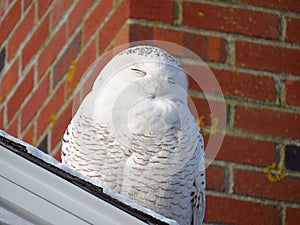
[91, 149]
[82, 146]
[66, 145]
[198, 190]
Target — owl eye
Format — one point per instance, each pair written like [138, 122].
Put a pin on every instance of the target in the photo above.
[171, 81]
[139, 72]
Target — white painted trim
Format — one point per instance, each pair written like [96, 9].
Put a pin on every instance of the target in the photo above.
[43, 197]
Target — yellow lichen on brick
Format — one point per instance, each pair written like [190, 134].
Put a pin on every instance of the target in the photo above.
[52, 118]
[200, 14]
[200, 122]
[71, 70]
[205, 133]
[214, 125]
[275, 173]
[239, 92]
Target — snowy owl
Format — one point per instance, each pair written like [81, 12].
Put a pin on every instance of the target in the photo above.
[135, 133]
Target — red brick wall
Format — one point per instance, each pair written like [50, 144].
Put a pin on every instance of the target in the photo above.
[252, 47]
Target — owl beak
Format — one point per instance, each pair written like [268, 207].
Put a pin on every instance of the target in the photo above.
[158, 86]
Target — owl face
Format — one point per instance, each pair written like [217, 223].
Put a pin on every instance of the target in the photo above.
[142, 63]
[151, 80]
[142, 75]
[159, 78]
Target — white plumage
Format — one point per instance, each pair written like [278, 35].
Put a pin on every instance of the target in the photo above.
[135, 133]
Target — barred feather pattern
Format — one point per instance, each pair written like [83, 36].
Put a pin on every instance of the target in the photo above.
[161, 163]
[91, 149]
[177, 193]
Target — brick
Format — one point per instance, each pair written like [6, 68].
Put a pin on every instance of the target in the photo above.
[9, 79]
[43, 6]
[202, 79]
[212, 143]
[292, 92]
[1, 118]
[140, 32]
[215, 178]
[239, 212]
[152, 10]
[10, 20]
[50, 52]
[2, 58]
[292, 216]
[122, 37]
[257, 184]
[83, 63]
[13, 128]
[292, 157]
[268, 122]
[59, 9]
[61, 67]
[277, 4]
[216, 49]
[169, 35]
[60, 125]
[96, 18]
[26, 4]
[4, 6]
[35, 42]
[35, 102]
[28, 136]
[267, 57]
[48, 114]
[112, 26]
[292, 29]
[205, 108]
[19, 95]
[246, 85]
[57, 155]
[199, 107]
[231, 20]
[208, 48]
[20, 33]
[76, 15]
[173, 41]
[43, 145]
[246, 151]
[87, 83]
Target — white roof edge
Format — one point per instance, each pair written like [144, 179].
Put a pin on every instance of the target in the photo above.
[43, 197]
